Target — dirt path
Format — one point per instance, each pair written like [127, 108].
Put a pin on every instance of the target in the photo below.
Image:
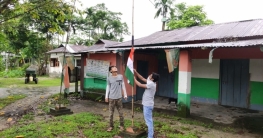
[35, 96]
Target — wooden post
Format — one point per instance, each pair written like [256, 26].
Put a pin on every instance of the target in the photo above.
[76, 79]
[132, 108]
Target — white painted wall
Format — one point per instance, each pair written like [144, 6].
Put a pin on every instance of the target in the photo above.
[202, 69]
[56, 71]
[256, 70]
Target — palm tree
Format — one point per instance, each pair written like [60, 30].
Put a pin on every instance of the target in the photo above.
[163, 7]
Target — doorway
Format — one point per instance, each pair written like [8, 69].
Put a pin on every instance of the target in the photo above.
[234, 80]
[142, 68]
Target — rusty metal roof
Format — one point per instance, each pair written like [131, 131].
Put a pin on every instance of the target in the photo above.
[239, 29]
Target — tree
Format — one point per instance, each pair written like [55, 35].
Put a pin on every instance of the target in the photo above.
[163, 6]
[101, 23]
[4, 4]
[31, 24]
[7, 5]
[28, 28]
[188, 16]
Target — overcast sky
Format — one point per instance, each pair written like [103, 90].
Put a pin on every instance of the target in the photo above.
[219, 11]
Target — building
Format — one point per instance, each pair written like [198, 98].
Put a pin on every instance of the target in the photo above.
[218, 64]
[56, 58]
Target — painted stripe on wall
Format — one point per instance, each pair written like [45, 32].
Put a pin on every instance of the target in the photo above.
[203, 100]
[256, 70]
[256, 93]
[183, 105]
[202, 69]
[205, 88]
[256, 107]
[184, 84]
[184, 63]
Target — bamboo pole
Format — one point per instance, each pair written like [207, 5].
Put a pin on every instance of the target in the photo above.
[133, 59]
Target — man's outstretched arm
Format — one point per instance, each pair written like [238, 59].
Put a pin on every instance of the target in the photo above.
[139, 76]
[139, 84]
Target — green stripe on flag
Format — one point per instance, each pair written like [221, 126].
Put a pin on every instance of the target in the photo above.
[129, 75]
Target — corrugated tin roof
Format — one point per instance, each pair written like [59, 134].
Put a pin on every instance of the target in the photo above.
[70, 49]
[109, 42]
[78, 47]
[99, 46]
[240, 29]
[244, 43]
[58, 50]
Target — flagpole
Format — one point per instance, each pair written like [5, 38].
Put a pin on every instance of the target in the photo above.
[133, 59]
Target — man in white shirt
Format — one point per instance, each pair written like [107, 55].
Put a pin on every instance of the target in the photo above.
[148, 98]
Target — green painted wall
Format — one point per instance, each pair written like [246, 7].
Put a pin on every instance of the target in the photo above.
[209, 88]
[94, 83]
[256, 89]
[205, 88]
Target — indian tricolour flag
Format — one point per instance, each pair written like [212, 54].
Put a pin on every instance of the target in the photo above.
[129, 69]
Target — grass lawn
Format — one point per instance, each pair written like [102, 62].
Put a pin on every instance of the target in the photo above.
[10, 99]
[20, 82]
[78, 125]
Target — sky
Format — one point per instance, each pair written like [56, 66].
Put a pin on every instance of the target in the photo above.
[219, 11]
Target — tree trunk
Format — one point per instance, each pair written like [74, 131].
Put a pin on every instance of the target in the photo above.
[163, 27]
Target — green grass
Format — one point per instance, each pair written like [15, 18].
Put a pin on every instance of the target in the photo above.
[52, 101]
[20, 82]
[76, 125]
[81, 124]
[188, 121]
[10, 99]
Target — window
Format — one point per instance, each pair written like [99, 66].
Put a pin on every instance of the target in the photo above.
[78, 62]
[54, 62]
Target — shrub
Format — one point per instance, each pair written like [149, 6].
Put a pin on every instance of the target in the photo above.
[12, 73]
[24, 67]
[2, 64]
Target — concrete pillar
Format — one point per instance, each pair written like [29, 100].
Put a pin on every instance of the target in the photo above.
[82, 70]
[184, 84]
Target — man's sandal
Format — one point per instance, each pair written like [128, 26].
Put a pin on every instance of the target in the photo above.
[109, 129]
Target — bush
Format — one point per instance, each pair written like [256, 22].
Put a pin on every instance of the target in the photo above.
[24, 67]
[12, 73]
[2, 64]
